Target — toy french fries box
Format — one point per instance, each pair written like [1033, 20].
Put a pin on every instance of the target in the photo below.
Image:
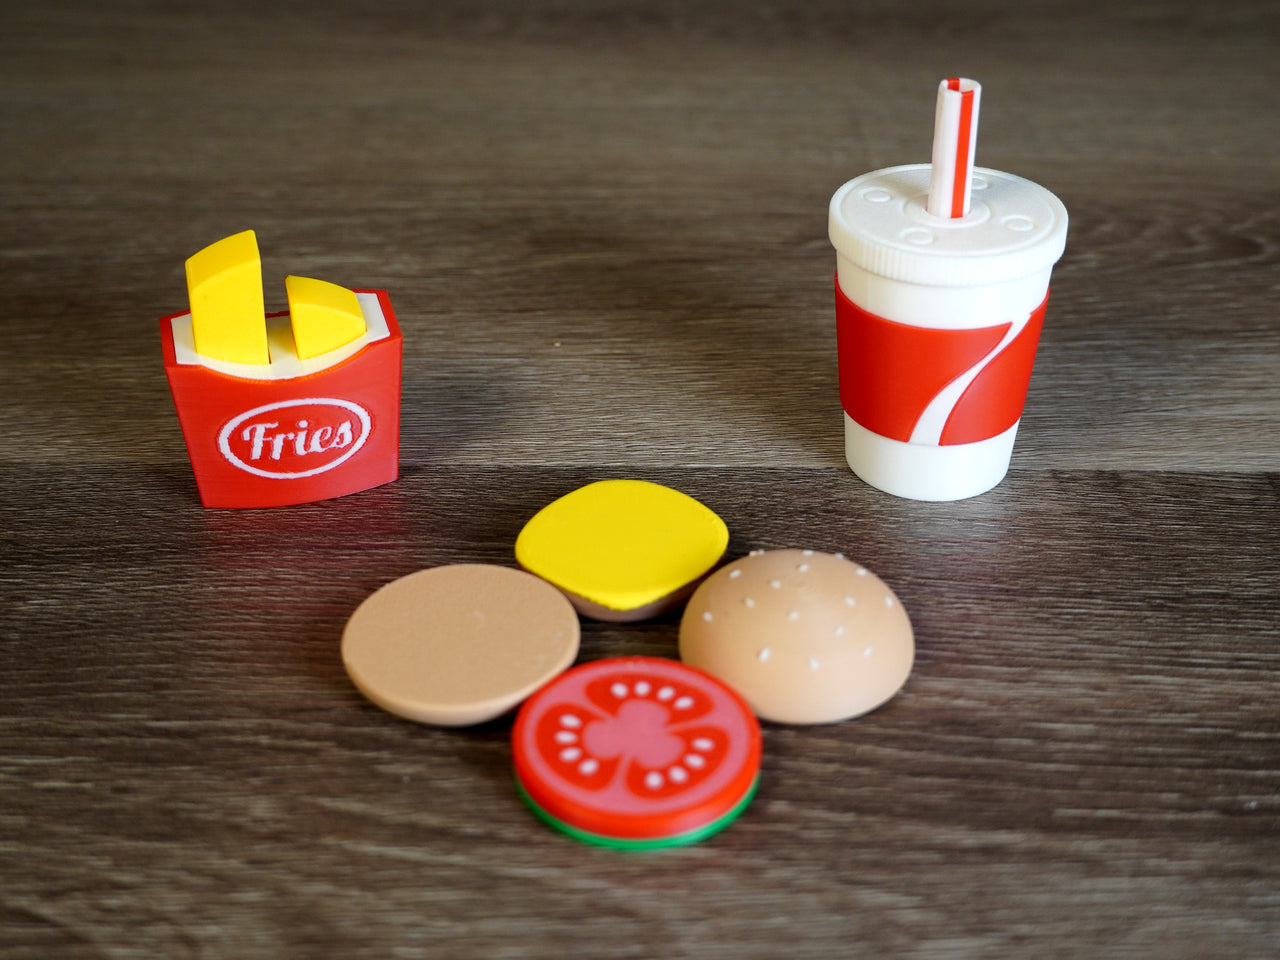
[285, 408]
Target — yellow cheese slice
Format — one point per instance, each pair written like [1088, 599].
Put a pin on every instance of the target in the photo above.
[324, 315]
[628, 548]
[224, 283]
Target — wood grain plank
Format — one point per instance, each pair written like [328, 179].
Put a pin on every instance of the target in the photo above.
[602, 225]
[1089, 738]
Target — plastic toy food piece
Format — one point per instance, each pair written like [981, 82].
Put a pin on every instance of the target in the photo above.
[224, 282]
[299, 428]
[637, 752]
[955, 141]
[459, 645]
[805, 637]
[324, 316]
[938, 317]
[623, 550]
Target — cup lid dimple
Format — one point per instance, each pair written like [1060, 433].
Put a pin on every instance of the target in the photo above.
[880, 222]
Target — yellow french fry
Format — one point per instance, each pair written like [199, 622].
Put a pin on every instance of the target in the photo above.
[224, 283]
[324, 315]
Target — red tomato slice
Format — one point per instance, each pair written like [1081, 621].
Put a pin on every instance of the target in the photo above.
[636, 748]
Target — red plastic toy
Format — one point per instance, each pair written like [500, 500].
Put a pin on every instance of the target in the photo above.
[285, 433]
[637, 752]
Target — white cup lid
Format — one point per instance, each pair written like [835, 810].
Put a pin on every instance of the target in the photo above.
[1014, 227]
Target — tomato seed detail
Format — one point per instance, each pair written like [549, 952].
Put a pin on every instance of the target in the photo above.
[705, 751]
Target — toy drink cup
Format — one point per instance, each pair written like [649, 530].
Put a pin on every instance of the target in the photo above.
[941, 285]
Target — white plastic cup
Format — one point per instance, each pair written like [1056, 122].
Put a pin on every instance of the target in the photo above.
[937, 325]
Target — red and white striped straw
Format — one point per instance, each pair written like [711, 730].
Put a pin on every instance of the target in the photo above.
[955, 139]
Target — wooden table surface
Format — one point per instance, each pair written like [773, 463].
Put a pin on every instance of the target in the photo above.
[603, 228]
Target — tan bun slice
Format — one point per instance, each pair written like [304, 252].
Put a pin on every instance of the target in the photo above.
[804, 637]
[460, 644]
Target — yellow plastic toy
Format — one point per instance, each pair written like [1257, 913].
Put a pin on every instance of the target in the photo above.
[623, 550]
[228, 319]
[324, 315]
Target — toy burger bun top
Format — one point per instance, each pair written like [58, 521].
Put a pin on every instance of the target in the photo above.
[805, 637]
[623, 550]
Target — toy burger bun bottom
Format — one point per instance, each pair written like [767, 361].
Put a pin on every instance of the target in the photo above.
[636, 752]
[623, 550]
[805, 637]
[458, 645]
